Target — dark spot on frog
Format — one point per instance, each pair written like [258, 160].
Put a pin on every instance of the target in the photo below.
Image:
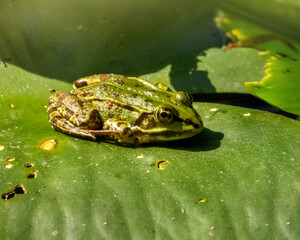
[126, 130]
[103, 85]
[19, 189]
[286, 71]
[104, 77]
[138, 85]
[116, 94]
[119, 124]
[109, 105]
[148, 101]
[133, 96]
[80, 83]
[110, 115]
[85, 93]
[119, 81]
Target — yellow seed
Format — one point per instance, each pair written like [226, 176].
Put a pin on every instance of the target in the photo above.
[48, 145]
[212, 228]
[202, 200]
[160, 163]
[213, 109]
[10, 159]
[105, 223]
[12, 105]
[245, 114]
[139, 155]
[8, 165]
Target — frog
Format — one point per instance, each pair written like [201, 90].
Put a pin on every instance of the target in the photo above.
[128, 110]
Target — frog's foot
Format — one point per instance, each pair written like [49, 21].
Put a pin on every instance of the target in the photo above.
[60, 124]
[67, 114]
[120, 131]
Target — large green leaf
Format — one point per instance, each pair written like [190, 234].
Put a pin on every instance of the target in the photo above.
[237, 179]
[267, 30]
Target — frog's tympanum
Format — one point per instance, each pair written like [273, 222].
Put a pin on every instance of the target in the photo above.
[129, 110]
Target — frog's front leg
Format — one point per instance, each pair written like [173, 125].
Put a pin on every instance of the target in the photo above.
[67, 114]
[119, 131]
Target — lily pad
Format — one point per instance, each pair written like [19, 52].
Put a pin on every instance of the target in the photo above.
[236, 179]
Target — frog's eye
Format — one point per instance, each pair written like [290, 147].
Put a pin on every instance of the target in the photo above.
[183, 98]
[163, 115]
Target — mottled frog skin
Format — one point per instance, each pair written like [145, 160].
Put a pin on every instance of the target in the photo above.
[129, 110]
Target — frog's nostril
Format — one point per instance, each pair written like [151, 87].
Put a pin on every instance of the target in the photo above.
[189, 121]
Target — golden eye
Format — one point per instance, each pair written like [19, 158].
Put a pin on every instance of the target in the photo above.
[163, 115]
[183, 98]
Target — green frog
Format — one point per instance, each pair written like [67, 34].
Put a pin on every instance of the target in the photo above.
[129, 110]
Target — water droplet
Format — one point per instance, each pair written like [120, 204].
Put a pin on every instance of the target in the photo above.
[28, 165]
[213, 109]
[202, 200]
[160, 163]
[139, 155]
[245, 114]
[1, 147]
[10, 159]
[8, 165]
[48, 145]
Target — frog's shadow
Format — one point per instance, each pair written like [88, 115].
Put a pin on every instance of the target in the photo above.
[205, 141]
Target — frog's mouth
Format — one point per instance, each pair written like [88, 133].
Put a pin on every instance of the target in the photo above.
[175, 131]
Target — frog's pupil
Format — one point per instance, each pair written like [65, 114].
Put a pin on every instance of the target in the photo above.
[164, 115]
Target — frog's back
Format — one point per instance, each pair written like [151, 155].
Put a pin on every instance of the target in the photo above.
[130, 91]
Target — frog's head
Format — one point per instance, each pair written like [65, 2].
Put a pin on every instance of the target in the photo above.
[172, 120]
